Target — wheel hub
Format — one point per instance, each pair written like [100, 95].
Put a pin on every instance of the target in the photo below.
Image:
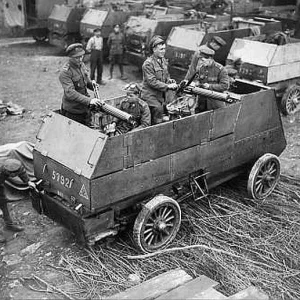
[160, 225]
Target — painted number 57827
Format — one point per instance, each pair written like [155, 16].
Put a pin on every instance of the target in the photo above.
[65, 181]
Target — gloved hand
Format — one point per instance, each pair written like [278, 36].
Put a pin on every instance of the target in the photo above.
[205, 85]
[96, 102]
[172, 86]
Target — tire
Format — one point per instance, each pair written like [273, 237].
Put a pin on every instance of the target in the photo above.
[157, 224]
[290, 101]
[264, 176]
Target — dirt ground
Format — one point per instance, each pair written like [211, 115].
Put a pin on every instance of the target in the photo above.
[29, 77]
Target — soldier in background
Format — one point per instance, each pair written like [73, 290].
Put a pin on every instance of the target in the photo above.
[156, 79]
[208, 74]
[95, 47]
[11, 168]
[116, 46]
[75, 80]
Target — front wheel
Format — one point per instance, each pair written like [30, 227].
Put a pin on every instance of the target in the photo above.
[157, 224]
[264, 176]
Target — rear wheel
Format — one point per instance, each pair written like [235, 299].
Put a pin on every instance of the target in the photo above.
[264, 176]
[290, 101]
[157, 224]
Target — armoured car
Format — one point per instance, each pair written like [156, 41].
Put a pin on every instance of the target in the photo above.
[95, 184]
[276, 66]
[184, 40]
[63, 25]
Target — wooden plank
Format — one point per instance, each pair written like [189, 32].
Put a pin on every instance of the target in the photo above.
[250, 293]
[210, 293]
[153, 288]
[190, 289]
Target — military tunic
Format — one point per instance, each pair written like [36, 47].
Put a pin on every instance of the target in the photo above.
[75, 80]
[140, 111]
[215, 75]
[155, 81]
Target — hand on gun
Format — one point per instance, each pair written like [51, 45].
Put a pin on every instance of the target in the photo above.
[172, 86]
[32, 186]
[95, 102]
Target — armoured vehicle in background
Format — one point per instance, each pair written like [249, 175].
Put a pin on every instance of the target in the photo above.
[184, 40]
[95, 184]
[139, 31]
[30, 15]
[64, 25]
[104, 19]
[276, 66]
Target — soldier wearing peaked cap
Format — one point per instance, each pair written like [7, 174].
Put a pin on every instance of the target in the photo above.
[11, 168]
[208, 74]
[75, 80]
[216, 43]
[156, 79]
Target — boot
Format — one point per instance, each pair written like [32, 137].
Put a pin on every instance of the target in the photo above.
[2, 238]
[13, 227]
[9, 224]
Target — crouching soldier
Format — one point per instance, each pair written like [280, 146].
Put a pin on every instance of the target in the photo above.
[11, 168]
[134, 106]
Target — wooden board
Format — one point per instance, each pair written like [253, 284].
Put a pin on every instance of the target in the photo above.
[190, 289]
[155, 287]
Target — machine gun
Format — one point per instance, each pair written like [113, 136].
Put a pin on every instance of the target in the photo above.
[224, 97]
[111, 110]
[184, 105]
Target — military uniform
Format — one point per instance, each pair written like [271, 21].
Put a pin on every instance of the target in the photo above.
[75, 80]
[215, 75]
[10, 168]
[155, 84]
[116, 45]
[140, 111]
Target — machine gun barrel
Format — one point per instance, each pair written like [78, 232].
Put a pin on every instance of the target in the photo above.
[113, 111]
[208, 93]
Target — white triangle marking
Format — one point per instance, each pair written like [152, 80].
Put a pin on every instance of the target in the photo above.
[83, 193]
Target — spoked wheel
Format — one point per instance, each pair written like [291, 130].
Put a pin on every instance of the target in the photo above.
[291, 100]
[157, 224]
[264, 176]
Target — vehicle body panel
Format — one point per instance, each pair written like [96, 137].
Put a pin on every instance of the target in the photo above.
[113, 175]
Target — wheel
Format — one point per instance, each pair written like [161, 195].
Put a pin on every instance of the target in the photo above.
[290, 101]
[264, 176]
[157, 224]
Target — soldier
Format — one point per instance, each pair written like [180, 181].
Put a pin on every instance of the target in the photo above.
[116, 45]
[75, 80]
[138, 108]
[11, 168]
[156, 79]
[208, 74]
[95, 46]
[216, 43]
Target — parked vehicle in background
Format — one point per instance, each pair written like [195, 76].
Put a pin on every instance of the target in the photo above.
[139, 31]
[276, 66]
[184, 40]
[30, 16]
[64, 25]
